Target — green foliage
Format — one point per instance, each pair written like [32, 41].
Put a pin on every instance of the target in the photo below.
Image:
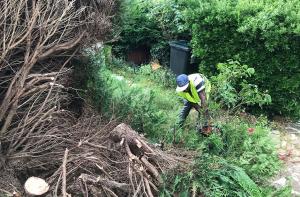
[283, 192]
[133, 99]
[132, 103]
[89, 75]
[253, 151]
[160, 51]
[230, 163]
[136, 27]
[232, 90]
[169, 16]
[152, 24]
[213, 176]
[264, 34]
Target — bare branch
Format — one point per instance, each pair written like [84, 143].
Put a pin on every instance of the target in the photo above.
[64, 174]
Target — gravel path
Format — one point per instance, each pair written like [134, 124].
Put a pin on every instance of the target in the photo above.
[288, 144]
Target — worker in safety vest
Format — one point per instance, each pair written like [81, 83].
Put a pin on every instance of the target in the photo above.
[195, 90]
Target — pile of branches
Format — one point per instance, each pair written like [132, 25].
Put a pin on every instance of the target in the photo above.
[97, 157]
[109, 159]
[38, 40]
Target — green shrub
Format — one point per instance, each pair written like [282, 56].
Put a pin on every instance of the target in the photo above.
[231, 89]
[264, 34]
[87, 75]
[152, 24]
[212, 176]
[253, 151]
[136, 28]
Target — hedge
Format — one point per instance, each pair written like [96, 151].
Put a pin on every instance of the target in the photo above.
[264, 34]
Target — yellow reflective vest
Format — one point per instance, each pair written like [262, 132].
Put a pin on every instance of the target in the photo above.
[194, 97]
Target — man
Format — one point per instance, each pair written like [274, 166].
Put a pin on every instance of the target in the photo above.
[195, 90]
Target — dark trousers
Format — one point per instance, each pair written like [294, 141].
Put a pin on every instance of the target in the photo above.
[185, 112]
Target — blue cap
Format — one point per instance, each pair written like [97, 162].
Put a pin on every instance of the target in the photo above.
[182, 82]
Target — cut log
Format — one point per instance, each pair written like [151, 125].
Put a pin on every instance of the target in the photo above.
[123, 131]
[136, 148]
[35, 186]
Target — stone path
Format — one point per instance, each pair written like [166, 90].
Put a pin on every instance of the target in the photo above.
[288, 145]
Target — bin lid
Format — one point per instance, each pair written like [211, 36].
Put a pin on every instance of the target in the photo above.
[180, 44]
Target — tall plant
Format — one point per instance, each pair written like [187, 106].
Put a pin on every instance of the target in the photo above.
[232, 90]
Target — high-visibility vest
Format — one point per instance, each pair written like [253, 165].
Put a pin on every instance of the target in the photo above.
[194, 97]
[207, 87]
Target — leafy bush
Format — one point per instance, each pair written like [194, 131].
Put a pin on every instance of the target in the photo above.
[152, 24]
[88, 75]
[136, 28]
[264, 34]
[232, 90]
[247, 145]
[212, 176]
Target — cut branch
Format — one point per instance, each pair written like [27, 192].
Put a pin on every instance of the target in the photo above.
[64, 175]
[108, 183]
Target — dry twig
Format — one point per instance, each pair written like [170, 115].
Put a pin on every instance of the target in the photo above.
[64, 174]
